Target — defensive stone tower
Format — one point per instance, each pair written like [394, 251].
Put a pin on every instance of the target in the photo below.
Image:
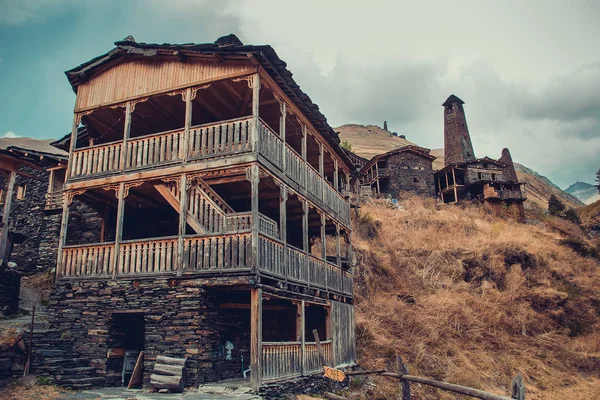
[457, 141]
[510, 174]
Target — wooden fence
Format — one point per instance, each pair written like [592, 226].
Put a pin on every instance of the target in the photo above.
[290, 359]
[405, 380]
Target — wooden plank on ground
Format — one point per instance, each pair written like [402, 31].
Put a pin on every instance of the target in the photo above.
[136, 376]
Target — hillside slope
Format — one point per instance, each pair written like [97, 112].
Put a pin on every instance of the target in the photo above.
[368, 141]
[472, 298]
[585, 192]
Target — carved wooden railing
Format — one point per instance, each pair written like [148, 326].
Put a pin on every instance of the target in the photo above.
[236, 222]
[269, 144]
[285, 359]
[314, 182]
[313, 362]
[218, 139]
[87, 260]
[54, 200]
[295, 167]
[267, 226]
[287, 262]
[148, 256]
[156, 149]
[270, 255]
[96, 160]
[218, 252]
[281, 360]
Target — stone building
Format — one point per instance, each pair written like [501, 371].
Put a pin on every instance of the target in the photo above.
[466, 177]
[407, 168]
[30, 184]
[216, 227]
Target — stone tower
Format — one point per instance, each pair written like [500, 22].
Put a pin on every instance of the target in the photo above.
[385, 128]
[457, 142]
[509, 170]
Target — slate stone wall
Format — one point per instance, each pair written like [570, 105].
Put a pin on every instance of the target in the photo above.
[28, 217]
[181, 319]
[409, 172]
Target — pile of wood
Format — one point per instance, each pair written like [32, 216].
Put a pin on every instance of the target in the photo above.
[168, 374]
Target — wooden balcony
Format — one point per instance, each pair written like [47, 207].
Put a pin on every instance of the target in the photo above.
[222, 139]
[208, 253]
[291, 359]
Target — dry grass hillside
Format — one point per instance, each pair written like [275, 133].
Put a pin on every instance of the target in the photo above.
[475, 298]
[368, 141]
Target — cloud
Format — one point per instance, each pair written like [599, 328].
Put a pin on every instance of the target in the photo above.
[10, 135]
[23, 11]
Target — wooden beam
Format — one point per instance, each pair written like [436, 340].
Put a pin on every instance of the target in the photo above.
[119, 232]
[303, 335]
[255, 110]
[4, 248]
[126, 132]
[254, 182]
[183, 217]
[62, 239]
[177, 205]
[256, 339]
[283, 213]
[232, 91]
[245, 306]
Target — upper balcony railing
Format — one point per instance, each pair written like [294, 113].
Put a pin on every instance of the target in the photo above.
[207, 141]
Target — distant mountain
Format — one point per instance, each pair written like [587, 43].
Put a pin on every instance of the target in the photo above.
[370, 140]
[585, 192]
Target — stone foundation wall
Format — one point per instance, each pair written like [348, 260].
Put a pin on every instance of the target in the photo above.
[181, 319]
[10, 282]
[315, 384]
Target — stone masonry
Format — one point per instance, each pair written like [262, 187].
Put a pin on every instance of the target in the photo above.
[181, 319]
[457, 141]
[411, 173]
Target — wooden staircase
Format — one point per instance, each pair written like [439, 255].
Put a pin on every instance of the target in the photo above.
[207, 211]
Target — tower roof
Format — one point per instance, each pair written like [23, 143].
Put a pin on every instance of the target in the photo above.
[452, 99]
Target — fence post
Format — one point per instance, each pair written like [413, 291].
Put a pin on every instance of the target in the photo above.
[403, 370]
[518, 388]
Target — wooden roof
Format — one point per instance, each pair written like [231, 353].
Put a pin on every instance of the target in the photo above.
[226, 46]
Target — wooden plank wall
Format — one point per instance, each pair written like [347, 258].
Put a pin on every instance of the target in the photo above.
[138, 77]
[342, 325]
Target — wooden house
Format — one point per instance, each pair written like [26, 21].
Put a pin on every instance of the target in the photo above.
[220, 232]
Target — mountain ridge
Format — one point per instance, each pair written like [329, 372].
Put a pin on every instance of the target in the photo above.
[586, 192]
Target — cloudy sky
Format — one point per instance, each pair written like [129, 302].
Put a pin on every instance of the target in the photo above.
[529, 71]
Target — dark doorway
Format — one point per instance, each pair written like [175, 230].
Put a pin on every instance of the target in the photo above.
[126, 341]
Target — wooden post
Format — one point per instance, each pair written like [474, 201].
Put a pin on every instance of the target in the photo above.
[12, 177]
[455, 190]
[254, 182]
[63, 235]
[347, 183]
[336, 181]
[183, 211]
[119, 232]
[30, 349]
[323, 237]
[283, 111]
[338, 246]
[403, 370]
[256, 338]
[321, 355]
[126, 131]
[72, 145]
[188, 124]
[283, 196]
[377, 177]
[305, 238]
[322, 170]
[518, 388]
[255, 110]
[303, 335]
[304, 140]
[283, 225]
